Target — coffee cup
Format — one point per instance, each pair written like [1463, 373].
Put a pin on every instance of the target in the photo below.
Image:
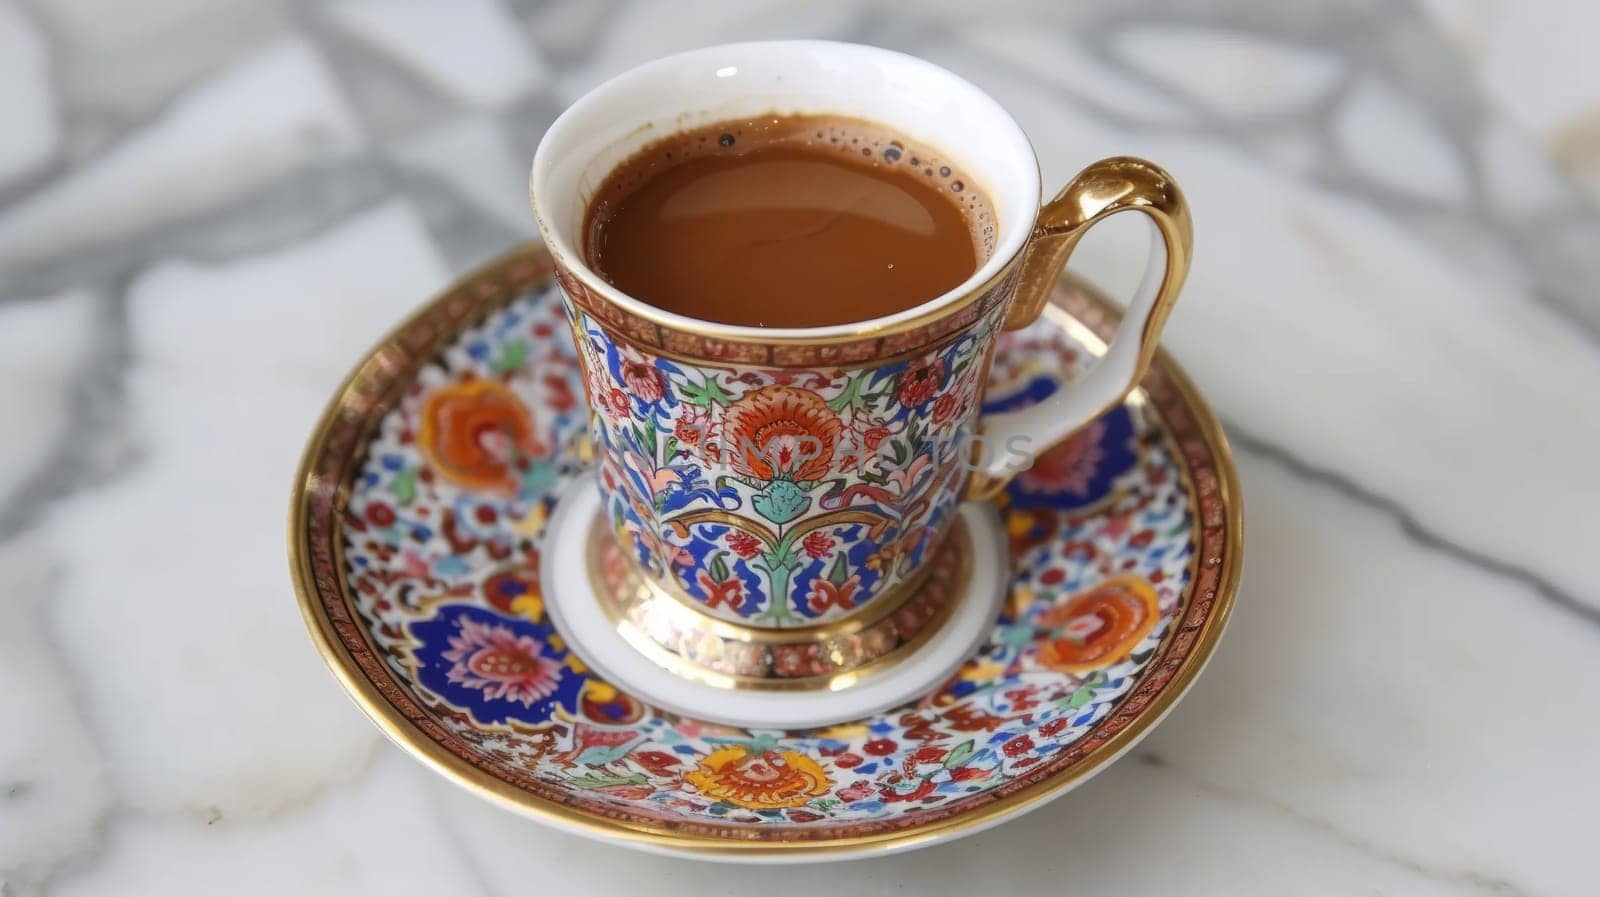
[801, 481]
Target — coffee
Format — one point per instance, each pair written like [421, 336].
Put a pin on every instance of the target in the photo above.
[787, 221]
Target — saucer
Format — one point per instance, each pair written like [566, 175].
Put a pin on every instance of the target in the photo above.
[418, 559]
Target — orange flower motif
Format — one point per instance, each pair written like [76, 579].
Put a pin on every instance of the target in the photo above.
[472, 433]
[782, 431]
[765, 781]
[1099, 627]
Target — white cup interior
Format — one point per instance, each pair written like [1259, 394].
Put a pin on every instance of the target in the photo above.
[923, 103]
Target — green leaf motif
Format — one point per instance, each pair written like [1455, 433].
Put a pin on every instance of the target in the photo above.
[645, 437]
[840, 571]
[600, 756]
[762, 743]
[719, 567]
[540, 477]
[959, 754]
[512, 358]
[1017, 635]
[601, 780]
[850, 398]
[404, 486]
[781, 502]
[710, 392]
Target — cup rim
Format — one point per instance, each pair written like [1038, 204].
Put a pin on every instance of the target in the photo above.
[1014, 225]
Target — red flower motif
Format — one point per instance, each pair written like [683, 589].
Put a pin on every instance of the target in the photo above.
[873, 436]
[380, 514]
[618, 402]
[729, 593]
[645, 382]
[743, 544]
[1054, 727]
[919, 382]
[817, 544]
[691, 430]
[848, 760]
[560, 396]
[879, 747]
[1018, 746]
[857, 791]
[966, 718]
[825, 594]
[656, 762]
[781, 430]
[944, 408]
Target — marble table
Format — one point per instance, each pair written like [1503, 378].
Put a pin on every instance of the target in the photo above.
[208, 210]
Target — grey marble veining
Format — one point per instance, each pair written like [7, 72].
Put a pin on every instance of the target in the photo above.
[208, 210]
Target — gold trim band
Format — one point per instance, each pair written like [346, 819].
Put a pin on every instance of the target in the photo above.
[871, 346]
[685, 641]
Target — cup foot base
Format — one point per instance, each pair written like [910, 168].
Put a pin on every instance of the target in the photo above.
[621, 654]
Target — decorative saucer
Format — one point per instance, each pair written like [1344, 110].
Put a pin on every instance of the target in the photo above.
[417, 557]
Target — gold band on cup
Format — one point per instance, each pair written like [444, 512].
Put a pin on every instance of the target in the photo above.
[668, 629]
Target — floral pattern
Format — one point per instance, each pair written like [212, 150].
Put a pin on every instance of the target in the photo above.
[781, 497]
[1111, 588]
[1098, 627]
[766, 780]
[500, 663]
[477, 434]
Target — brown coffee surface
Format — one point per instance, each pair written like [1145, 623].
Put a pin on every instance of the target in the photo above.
[786, 221]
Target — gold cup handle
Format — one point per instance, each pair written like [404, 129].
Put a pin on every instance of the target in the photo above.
[1119, 184]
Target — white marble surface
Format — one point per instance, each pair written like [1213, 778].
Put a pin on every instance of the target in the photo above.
[209, 209]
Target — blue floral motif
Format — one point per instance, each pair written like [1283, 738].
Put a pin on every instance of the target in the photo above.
[499, 669]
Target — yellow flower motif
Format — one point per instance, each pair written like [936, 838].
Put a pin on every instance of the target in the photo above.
[764, 781]
[573, 663]
[529, 606]
[981, 671]
[844, 732]
[532, 523]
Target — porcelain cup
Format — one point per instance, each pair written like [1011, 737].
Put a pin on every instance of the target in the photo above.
[786, 479]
